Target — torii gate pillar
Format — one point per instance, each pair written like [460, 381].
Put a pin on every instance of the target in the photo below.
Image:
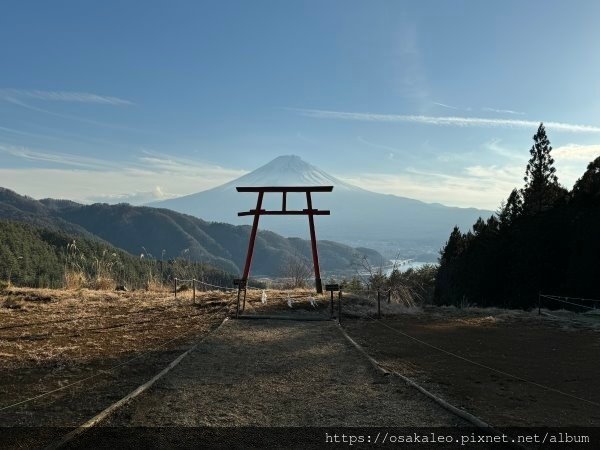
[310, 212]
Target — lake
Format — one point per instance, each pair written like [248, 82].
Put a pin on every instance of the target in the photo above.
[404, 264]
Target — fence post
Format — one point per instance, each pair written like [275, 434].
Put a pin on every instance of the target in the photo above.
[389, 296]
[340, 307]
[539, 303]
[175, 287]
[237, 311]
[194, 290]
[378, 304]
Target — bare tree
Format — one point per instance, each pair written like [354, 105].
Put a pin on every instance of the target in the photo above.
[410, 287]
[296, 269]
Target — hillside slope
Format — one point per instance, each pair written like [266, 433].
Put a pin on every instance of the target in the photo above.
[166, 234]
[40, 257]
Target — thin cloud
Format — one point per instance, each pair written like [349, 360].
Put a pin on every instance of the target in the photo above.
[134, 198]
[463, 191]
[169, 165]
[503, 111]
[149, 163]
[408, 69]
[575, 152]
[443, 105]
[495, 146]
[483, 186]
[90, 180]
[445, 120]
[68, 116]
[510, 174]
[63, 159]
[475, 186]
[386, 148]
[20, 132]
[63, 96]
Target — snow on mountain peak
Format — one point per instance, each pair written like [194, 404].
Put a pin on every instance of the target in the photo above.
[289, 170]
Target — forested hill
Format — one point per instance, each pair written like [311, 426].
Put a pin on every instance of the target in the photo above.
[164, 234]
[544, 238]
[41, 257]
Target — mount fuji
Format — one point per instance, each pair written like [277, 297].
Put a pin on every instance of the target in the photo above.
[388, 223]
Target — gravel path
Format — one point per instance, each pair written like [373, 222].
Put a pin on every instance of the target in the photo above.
[279, 373]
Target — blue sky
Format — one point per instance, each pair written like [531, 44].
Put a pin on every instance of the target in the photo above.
[134, 101]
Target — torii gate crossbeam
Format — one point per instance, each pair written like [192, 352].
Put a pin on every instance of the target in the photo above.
[310, 212]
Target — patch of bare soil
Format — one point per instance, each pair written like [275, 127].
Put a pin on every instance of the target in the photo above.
[279, 373]
[560, 355]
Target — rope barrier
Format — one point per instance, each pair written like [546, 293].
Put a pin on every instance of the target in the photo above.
[217, 286]
[356, 291]
[374, 291]
[548, 388]
[133, 394]
[104, 371]
[571, 298]
[382, 369]
[558, 299]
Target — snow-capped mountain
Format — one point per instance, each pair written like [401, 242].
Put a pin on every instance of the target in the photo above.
[288, 170]
[358, 217]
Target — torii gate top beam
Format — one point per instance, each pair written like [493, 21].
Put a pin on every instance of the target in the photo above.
[285, 189]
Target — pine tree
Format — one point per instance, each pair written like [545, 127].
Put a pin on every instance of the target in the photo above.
[587, 188]
[492, 224]
[512, 209]
[479, 227]
[541, 183]
[454, 246]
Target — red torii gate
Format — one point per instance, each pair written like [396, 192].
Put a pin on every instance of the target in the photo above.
[310, 212]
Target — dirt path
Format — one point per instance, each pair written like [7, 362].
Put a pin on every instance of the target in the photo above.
[279, 373]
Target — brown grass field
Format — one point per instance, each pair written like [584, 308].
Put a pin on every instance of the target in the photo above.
[53, 338]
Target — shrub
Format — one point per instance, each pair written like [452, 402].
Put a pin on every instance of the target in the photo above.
[75, 279]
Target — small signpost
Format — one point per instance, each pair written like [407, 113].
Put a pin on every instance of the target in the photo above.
[335, 288]
[332, 288]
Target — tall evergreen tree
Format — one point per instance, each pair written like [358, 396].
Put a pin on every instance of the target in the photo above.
[512, 209]
[493, 224]
[541, 183]
[479, 227]
[454, 246]
[587, 188]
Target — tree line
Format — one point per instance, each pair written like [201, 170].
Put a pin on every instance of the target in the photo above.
[544, 238]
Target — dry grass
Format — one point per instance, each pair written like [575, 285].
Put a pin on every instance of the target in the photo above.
[103, 283]
[154, 285]
[75, 279]
[41, 325]
[50, 338]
